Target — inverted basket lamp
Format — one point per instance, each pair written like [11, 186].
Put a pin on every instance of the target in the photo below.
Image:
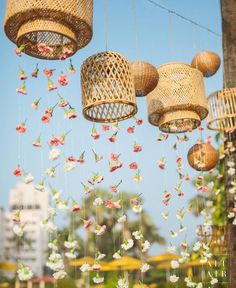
[108, 93]
[145, 77]
[64, 26]
[203, 157]
[222, 110]
[178, 103]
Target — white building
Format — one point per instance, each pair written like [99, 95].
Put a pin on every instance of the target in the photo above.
[31, 249]
[2, 230]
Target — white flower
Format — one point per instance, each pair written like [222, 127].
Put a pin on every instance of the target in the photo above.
[28, 178]
[51, 172]
[59, 275]
[197, 246]
[49, 226]
[117, 255]
[174, 279]
[123, 283]
[52, 211]
[54, 154]
[100, 256]
[165, 216]
[98, 280]
[174, 264]
[40, 187]
[98, 202]
[232, 190]
[199, 285]
[85, 268]
[69, 166]
[145, 267]
[171, 249]
[231, 171]
[62, 205]
[71, 254]
[70, 244]
[55, 262]
[53, 246]
[203, 260]
[18, 230]
[24, 273]
[214, 281]
[230, 164]
[127, 244]
[137, 235]
[137, 208]
[146, 246]
[122, 219]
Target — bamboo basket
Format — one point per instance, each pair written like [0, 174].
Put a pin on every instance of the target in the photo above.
[108, 93]
[60, 24]
[222, 110]
[207, 62]
[178, 103]
[145, 77]
[203, 157]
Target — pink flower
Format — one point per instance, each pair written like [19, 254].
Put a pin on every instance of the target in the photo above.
[22, 89]
[130, 129]
[100, 230]
[112, 204]
[187, 178]
[35, 104]
[137, 148]
[22, 75]
[88, 223]
[72, 159]
[181, 193]
[96, 267]
[48, 72]
[37, 143]
[138, 121]
[63, 103]
[114, 157]
[178, 159]
[70, 113]
[63, 80]
[113, 138]
[114, 167]
[133, 166]
[71, 68]
[17, 171]
[21, 128]
[95, 134]
[43, 48]
[134, 201]
[75, 207]
[51, 86]
[81, 158]
[114, 188]
[19, 50]
[54, 142]
[105, 128]
[162, 164]
[66, 53]
[35, 72]
[45, 118]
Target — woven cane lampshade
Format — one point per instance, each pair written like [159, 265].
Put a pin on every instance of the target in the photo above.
[63, 25]
[145, 77]
[222, 110]
[207, 62]
[178, 103]
[108, 93]
[203, 157]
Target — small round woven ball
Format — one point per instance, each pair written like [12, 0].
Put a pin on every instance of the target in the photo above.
[207, 62]
[203, 157]
[145, 77]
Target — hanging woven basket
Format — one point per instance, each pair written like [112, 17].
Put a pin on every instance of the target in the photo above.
[108, 93]
[145, 77]
[222, 110]
[63, 26]
[178, 103]
[207, 62]
[203, 157]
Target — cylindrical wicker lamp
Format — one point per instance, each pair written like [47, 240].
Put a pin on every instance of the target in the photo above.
[108, 93]
[145, 77]
[178, 103]
[222, 110]
[203, 157]
[64, 26]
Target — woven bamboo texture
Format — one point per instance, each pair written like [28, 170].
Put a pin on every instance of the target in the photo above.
[108, 93]
[203, 157]
[222, 110]
[59, 24]
[178, 103]
[145, 77]
[207, 62]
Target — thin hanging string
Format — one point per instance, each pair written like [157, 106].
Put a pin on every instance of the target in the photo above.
[185, 18]
[136, 34]
[106, 20]
[170, 34]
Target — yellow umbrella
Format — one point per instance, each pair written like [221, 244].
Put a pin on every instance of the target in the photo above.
[126, 263]
[7, 266]
[163, 257]
[81, 261]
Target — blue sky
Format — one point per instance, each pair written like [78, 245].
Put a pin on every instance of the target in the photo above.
[161, 38]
